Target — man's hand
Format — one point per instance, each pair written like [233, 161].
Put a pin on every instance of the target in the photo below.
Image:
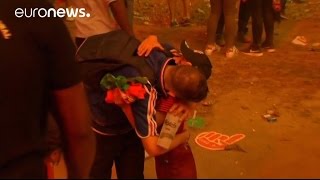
[182, 109]
[148, 44]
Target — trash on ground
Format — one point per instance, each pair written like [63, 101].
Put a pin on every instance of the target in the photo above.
[207, 103]
[315, 47]
[271, 115]
[300, 40]
[234, 147]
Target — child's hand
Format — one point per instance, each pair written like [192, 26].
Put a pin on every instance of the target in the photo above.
[148, 44]
[182, 109]
[186, 135]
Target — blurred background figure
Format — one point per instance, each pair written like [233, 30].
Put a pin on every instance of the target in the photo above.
[283, 9]
[230, 11]
[105, 16]
[130, 9]
[244, 16]
[263, 16]
[186, 19]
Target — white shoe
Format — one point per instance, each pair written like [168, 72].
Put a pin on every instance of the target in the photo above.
[231, 52]
[211, 48]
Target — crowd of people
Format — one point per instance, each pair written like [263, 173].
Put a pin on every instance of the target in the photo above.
[51, 98]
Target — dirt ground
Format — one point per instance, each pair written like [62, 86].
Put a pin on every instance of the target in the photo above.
[242, 89]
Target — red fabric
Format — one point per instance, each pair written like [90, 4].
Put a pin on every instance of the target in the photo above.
[124, 99]
[164, 104]
[50, 170]
[176, 164]
[179, 162]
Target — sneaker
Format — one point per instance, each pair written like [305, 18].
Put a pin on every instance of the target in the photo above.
[185, 22]
[174, 24]
[253, 52]
[268, 48]
[231, 52]
[211, 48]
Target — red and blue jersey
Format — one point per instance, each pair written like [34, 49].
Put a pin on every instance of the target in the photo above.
[109, 118]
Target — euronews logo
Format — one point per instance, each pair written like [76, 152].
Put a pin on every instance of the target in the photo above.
[51, 12]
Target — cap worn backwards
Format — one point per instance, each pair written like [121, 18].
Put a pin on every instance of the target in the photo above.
[197, 58]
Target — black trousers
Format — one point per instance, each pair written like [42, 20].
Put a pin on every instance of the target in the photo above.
[262, 15]
[244, 16]
[126, 151]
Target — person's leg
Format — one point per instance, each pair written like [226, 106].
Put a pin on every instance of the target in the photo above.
[212, 25]
[257, 22]
[231, 12]
[186, 13]
[106, 149]
[257, 27]
[186, 9]
[283, 6]
[172, 11]
[219, 32]
[130, 162]
[268, 21]
[244, 16]
[130, 8]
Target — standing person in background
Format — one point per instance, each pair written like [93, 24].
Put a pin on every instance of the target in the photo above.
[283, 9]
[100, 20]
[262, 16]
[38, 69]
[173, 13]
[244, 16]
[130, 8]
[230, 10]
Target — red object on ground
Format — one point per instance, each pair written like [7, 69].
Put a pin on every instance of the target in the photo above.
[217, 141]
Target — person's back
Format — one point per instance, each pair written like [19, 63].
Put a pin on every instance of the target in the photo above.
[102, 16]
[99, 21]
[33, 65]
